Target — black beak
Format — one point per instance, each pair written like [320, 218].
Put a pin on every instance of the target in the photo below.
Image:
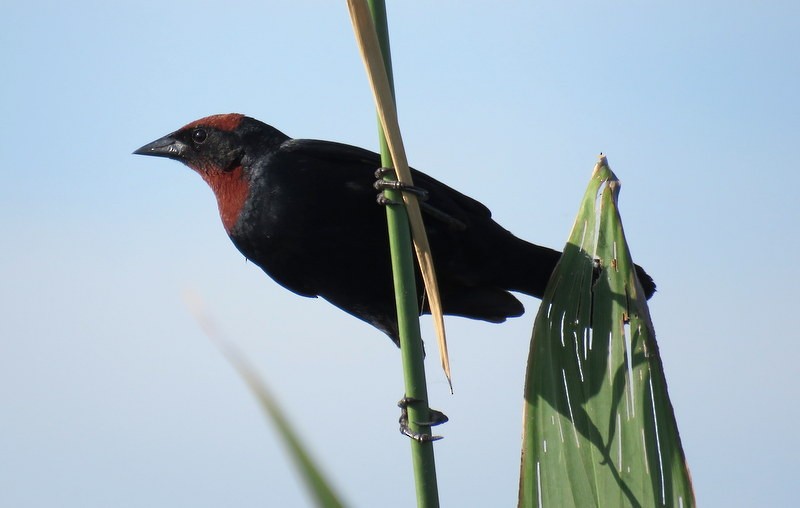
[167, 146]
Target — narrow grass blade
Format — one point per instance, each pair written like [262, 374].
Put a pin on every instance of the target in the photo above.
[599, 429]
[317, 486]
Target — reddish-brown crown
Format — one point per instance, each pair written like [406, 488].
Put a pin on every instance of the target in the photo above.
[227, 122]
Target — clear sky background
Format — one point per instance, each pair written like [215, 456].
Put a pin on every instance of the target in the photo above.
[110, 393]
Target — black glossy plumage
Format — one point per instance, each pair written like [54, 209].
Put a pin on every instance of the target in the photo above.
[311, 222]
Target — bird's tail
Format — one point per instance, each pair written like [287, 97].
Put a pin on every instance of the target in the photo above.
[528, 267]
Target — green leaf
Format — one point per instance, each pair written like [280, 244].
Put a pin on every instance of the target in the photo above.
[599, 429]
[317, 486]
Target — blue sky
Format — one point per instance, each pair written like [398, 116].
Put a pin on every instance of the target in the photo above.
[111, 394]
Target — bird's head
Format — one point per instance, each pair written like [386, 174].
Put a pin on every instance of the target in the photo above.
[220, 148]
[208, 145]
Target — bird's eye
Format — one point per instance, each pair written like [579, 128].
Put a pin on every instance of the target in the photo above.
[199, 136]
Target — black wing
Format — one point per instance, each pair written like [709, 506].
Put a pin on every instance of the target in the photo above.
[441, 197]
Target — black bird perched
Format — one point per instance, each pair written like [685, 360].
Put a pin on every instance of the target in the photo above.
[304, 211]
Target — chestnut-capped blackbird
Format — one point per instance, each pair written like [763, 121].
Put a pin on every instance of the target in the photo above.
[305, 212]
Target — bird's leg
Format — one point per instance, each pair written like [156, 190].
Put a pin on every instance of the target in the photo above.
[382, 185]
[421, 194]
[436, 418]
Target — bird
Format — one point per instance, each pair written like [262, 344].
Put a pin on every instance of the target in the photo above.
[305, 212]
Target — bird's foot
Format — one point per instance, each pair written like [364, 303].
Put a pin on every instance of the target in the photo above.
[382, 185]
[421, 194]
[435, 418]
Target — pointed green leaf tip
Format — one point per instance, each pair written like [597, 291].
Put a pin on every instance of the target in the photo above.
[599, 429]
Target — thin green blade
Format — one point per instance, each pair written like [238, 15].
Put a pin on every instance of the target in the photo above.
[599, 429]
[317, 487]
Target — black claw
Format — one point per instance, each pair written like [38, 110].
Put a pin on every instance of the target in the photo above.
[418, 436]
[395, 185]
[421, 194]
[380, 173]
[383, 200]
[437, 418]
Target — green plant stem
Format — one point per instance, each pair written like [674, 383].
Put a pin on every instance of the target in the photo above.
[407, 303]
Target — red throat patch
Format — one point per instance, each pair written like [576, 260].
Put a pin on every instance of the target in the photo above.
[228, 122]
[231, 189]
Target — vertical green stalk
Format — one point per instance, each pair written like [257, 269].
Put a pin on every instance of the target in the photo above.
[407, 303]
